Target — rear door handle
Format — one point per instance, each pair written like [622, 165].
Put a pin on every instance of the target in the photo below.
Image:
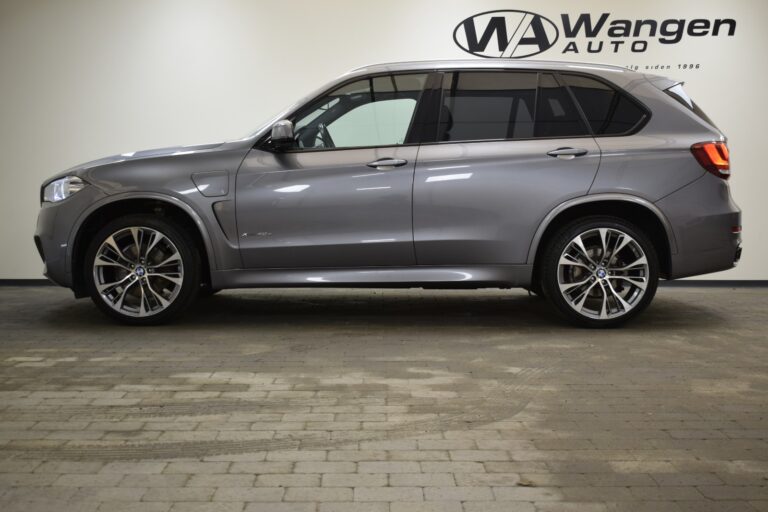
[567, 153]
[385, 164]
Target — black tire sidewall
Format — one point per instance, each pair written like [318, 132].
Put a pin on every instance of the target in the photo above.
[549, 277]
[189, 256]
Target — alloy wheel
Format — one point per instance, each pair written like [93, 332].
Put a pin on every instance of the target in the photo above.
[138, 271]
[603, 273]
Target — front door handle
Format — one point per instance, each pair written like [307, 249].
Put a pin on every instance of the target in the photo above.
[567, 153]
[385, 164]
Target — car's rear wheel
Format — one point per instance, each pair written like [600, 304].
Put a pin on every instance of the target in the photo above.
[142, 269]
[600, 271]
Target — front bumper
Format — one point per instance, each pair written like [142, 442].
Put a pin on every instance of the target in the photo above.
[704, 219]
[55, 232]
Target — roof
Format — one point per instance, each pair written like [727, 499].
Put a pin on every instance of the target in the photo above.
[487, 64]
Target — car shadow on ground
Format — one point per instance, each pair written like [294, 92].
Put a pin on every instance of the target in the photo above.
[384, 309]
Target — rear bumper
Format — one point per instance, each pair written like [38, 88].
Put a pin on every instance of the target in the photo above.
[705, 262]
[704, 218]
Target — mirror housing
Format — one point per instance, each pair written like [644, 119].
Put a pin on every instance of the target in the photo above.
[282, 135]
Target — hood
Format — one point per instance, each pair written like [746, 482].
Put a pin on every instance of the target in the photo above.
[147, 153]
[81, 169]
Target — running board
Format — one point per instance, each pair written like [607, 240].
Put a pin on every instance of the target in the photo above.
[485, 276]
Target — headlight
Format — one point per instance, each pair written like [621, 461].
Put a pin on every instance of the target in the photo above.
[62, 188]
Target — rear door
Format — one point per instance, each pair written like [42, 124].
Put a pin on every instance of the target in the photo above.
[510, 146]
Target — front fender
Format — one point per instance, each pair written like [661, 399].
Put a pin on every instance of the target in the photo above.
[203, 227]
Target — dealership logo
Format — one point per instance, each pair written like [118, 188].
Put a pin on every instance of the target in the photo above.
[517, 34]
[512, 34]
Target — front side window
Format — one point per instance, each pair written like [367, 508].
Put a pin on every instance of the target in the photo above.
[374, 111]
[608, 111]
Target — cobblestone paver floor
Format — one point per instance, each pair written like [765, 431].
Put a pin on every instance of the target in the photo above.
[384, 401]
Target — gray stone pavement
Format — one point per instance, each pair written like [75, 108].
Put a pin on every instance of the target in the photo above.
[384, 401]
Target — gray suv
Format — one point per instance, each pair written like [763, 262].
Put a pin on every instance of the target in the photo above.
[582, 183]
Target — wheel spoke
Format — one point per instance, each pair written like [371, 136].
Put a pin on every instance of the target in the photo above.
[622, 242]
[121, 298]
[640, 282]
[168, 260]
[604, 245]
[172, 277]
[103, 260]
[641, 261]
[143, 310]
[579, 243]
[135, 234]
[604, 305]
[624, 304]
[567, 259]
[579, 305]
[112, 244]
[157, 296]
[108, 287]
[566, 287]
[153, 241]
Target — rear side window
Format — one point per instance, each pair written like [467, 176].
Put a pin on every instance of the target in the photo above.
[679, 94]
[608, 111]
[504, 105]
[487, 106]
[556, 115]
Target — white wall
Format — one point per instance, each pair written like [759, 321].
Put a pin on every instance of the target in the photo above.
[83, 79]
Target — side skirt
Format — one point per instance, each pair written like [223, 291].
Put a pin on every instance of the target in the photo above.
[445, 277]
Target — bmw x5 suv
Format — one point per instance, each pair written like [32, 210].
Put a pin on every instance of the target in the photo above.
[582, 183]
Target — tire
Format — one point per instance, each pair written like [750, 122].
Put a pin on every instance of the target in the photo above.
[147, 272]
[622, 279]
[206, 291]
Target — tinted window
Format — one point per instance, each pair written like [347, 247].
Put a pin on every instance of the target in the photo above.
[373, 111]
[556, 115]
[608, 111]
[487, 106]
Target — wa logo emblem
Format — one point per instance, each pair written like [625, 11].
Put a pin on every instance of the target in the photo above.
[510, 34]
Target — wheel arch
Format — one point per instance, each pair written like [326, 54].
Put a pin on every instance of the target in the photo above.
[632, 208]
[122, 204]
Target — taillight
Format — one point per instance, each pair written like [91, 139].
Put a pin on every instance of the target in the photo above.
[713, 156]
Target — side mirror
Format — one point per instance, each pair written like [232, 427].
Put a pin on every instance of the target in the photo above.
[282, 134]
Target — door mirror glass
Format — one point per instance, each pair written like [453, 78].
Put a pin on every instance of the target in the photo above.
[282, 134]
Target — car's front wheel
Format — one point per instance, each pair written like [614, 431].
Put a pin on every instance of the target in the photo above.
[142, 269]
[600, 271]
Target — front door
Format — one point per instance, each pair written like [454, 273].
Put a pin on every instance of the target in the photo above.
[342, 197]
